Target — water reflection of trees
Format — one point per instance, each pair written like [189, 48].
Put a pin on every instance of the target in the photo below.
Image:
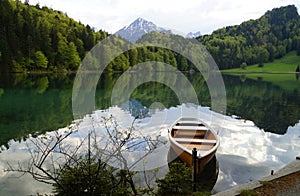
[33, 104]
[39, 103]
[270, 107]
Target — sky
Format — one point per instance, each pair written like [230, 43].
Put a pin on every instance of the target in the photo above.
[181, 15]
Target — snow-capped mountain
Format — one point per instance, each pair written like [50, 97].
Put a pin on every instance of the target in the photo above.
[139, 28]
[193, 35]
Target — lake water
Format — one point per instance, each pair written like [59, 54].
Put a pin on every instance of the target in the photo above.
[259, 132]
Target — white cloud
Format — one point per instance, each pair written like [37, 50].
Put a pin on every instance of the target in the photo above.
[184, 16]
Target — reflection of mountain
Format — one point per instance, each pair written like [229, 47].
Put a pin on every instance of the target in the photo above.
[36, 103]
[268, 106]
[135, 108]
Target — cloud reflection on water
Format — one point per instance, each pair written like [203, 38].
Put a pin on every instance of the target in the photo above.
[246, 152]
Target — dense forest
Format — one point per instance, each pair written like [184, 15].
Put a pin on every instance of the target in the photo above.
[40, 38]
[271, 36]
[35, 38]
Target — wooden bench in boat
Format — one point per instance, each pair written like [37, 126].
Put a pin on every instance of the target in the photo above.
[200, 128]
[189, 122]
[189, 134]
[188, 140]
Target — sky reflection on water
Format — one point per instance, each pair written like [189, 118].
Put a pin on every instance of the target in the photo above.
[246, 152]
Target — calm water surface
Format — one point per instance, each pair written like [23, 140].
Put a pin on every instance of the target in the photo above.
[34, 104]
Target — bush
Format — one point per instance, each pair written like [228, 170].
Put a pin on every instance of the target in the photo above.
[90, 177]
[177, 182]
[260, 65]
[243, 65]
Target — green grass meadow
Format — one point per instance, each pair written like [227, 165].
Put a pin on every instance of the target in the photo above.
[286, 64]
[280, 72]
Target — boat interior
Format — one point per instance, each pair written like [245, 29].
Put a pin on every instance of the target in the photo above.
[193, 134]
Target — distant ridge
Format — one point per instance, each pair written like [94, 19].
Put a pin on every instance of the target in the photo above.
[140, 27]
[259, 41]
[193, 35]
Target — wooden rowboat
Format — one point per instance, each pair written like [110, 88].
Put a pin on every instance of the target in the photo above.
[189, 133]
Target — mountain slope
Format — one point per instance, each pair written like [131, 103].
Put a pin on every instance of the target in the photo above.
[34, 38]
[273, 35]
[39, 38]
[138, 28]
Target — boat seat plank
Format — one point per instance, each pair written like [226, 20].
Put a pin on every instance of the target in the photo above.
[190, 128]
[195, 140]
[189, 122]
[189, 134]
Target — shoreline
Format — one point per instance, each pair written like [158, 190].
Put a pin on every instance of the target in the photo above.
[245, 73]
[288, 170]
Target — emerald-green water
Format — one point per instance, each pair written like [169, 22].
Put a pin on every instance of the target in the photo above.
[32, 104]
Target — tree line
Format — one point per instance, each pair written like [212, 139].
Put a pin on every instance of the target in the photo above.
[271, 36]
[35, 38]
[40, 38]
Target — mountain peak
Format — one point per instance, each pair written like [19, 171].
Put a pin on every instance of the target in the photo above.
[138, 28]
[139, 19]
[193, 35]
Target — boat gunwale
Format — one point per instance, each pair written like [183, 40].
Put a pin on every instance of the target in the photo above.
[200, 153]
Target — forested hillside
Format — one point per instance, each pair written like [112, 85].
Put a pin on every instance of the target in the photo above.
[256, 41]
[34, 38]
[40, 38]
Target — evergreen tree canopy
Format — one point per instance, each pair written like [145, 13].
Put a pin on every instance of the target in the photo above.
[271, 36]
[34, 38]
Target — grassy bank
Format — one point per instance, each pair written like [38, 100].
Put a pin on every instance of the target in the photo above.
[287, 64]
[287, 82]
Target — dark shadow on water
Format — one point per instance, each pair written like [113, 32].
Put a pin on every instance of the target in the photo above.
[207, 178]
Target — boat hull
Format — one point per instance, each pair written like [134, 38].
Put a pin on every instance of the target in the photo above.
[187, 134]
[186, 157]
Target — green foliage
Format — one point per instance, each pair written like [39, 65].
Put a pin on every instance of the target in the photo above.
[266, 183]
[91, 177]
[1, 91]
[248, 193]
[41, 60]
[256, 41]
[177, 182]
[260, 65]
[121, 63]
[42, 85]
[243, 65]
[201, 193]
[45, 39]
[34, 104]
[288, 63]
[253, 104]
[42, 38]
